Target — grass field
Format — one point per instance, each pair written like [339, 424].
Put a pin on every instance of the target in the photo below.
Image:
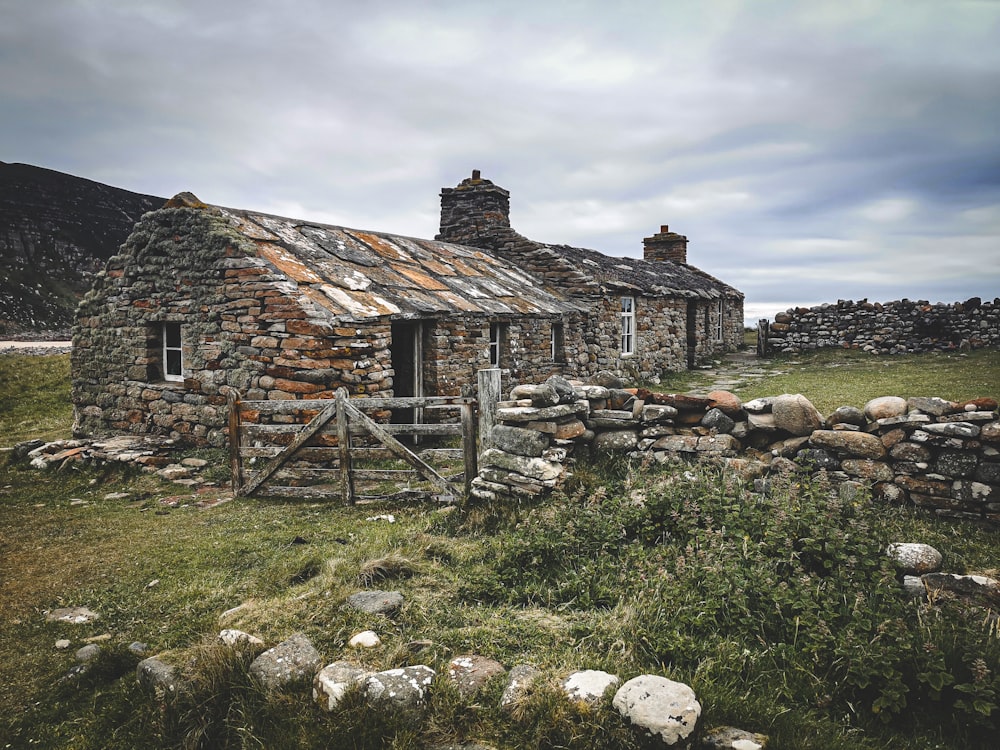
[780, 611]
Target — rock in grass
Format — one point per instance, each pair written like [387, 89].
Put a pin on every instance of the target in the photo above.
[589, 685]
[292, 661]
[659, 707]
[914, 559]
[402, 689]
[232, 637]
[376, 602]
[159, 678]
[365, 639]
[334, 680]
[470, 673]
[731, 738]
[519, 681]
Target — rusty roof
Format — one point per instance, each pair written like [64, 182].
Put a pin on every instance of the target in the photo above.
[355, 274]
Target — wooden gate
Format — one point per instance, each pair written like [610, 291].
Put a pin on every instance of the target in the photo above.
[322, 448]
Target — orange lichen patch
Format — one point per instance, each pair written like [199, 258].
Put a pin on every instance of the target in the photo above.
[453, 300]
[464, 268]
[422, 280]
[523, 304]
[379, 244]
[438, 268]
[287, 263]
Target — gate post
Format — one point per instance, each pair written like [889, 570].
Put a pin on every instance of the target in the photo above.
[762, 330]
[489, 395]
[235, 459]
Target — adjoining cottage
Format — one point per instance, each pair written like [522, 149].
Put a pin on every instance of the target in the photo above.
[645, 316]
[202, 298]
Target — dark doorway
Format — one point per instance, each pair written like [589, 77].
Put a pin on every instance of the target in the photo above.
[692, 333]
[406, 351]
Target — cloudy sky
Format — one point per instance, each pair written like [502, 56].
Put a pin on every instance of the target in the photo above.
[811, 151]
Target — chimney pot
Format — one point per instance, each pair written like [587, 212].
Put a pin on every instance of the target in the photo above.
[664, 228]
[475, 174]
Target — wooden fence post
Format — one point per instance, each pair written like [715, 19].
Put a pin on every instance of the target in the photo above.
[469, 446]
[235, 459]
[489, 395]
[762, 329]
[344, 446]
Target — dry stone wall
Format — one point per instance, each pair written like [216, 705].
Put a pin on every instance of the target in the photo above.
[936, 454]
[898, 327]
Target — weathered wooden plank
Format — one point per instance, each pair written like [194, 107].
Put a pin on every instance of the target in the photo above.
[469, 446]
[324, 492]
[253, 431]
[489, 396]
[235, 459]
[275, 463]
[344, 444]
[398, 448]
[295, 406]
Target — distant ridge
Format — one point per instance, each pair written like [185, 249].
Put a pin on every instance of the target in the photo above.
[56, 231]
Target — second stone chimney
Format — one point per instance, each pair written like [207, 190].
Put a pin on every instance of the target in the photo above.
[665, 245]
[472, 210]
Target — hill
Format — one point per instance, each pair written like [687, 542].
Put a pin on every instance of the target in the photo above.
[56, 231]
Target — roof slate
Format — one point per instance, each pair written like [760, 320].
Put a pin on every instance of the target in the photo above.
[639, 276]
[356, 275]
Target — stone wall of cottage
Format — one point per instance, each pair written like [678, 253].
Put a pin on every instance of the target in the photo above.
[933, 453]
[241, 328]
[887, 328]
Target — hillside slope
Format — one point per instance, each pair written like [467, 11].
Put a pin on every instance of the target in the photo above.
[56, 231]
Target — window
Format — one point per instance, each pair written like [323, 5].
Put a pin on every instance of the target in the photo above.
[173, 359]
[558, 343]
[628, 326]
[498, 343]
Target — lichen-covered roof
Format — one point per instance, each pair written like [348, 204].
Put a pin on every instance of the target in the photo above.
[356, 274]
[643, 277]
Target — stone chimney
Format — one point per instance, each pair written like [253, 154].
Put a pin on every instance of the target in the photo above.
[665, 245]
[473, 209]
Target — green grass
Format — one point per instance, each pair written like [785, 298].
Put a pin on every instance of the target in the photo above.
[834, 377]
[779, 611]
[35, 401]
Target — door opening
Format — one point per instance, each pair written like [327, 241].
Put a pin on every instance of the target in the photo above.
[406, 350]
[692, 333]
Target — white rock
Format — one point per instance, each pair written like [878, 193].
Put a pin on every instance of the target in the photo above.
[365, 639]
[913, 558]
[333, 681]
[589, 685]
[233, 637]
[658, 706]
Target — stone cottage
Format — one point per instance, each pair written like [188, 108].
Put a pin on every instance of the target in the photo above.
[644, 316]
[201, 298]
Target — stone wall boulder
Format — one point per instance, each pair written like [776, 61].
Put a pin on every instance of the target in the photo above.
[885, 407]
[856, 444]
[795, 414]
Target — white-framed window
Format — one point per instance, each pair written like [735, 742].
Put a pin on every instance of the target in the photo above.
[627, 326]
[558, 343]
[498, 343]
[719, 310]
[173, 356]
